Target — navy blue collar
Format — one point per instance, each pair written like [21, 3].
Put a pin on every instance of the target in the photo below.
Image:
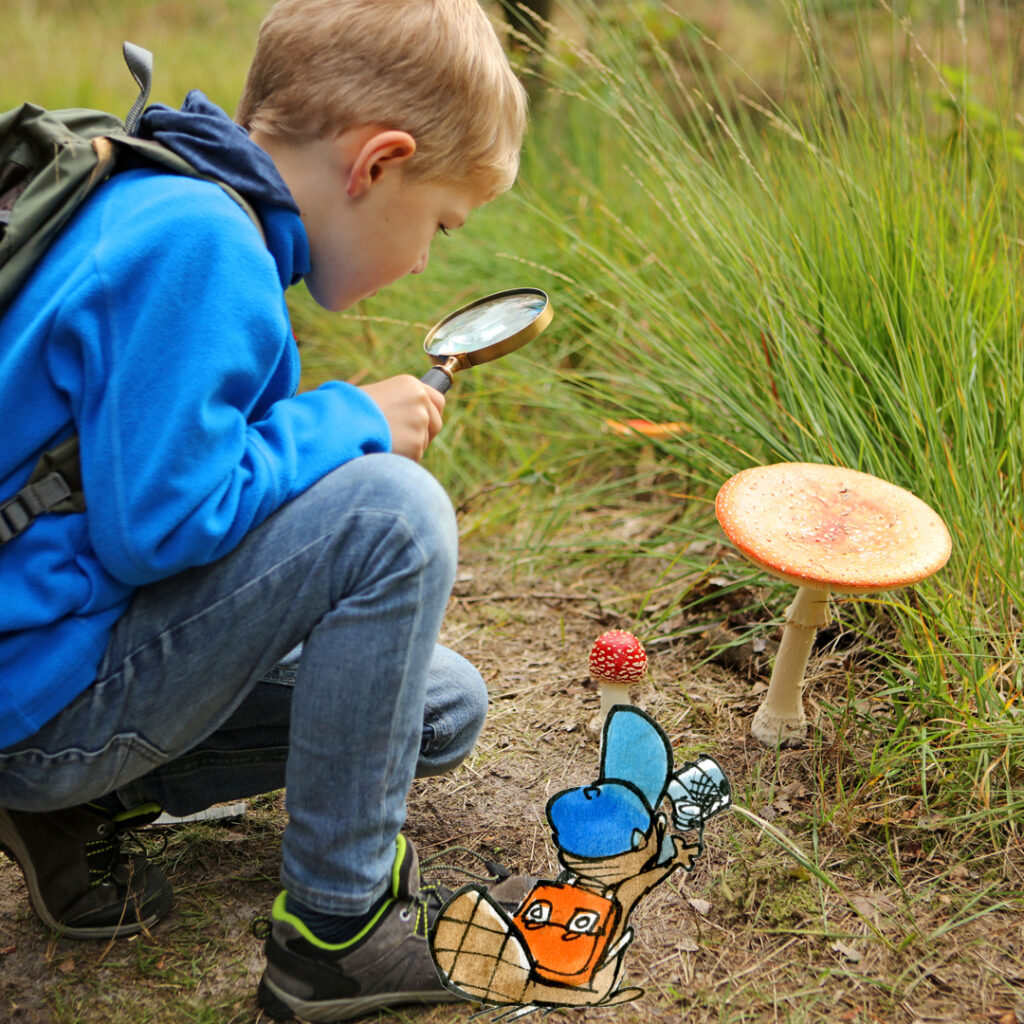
[214, 145]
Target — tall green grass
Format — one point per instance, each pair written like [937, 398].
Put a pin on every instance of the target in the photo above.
[833, 277]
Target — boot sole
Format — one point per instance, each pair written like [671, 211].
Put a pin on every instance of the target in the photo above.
[281, 1006]
[11, 844]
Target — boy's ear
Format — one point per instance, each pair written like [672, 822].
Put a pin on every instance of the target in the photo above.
[375, 153]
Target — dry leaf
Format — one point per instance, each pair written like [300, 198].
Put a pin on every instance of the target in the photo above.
[795, 790]
[702, 907]
[846, 952]
[870, 904]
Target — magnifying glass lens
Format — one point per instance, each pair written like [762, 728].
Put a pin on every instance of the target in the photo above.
[485, 323]
[484, 330]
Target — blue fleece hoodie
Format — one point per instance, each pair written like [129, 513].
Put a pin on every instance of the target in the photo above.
[156, 328]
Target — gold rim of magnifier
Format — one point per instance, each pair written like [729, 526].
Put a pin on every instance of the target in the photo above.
[497, 348]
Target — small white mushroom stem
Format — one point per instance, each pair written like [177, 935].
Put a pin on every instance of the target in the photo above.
[780, 719]
[612, 694]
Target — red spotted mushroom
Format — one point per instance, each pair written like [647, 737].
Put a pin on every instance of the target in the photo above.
[825, 529]
[617, 662]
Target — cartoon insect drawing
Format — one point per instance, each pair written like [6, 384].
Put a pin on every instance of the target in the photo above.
[565, 944]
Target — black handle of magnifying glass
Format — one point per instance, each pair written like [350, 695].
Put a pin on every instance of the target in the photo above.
[437, 379]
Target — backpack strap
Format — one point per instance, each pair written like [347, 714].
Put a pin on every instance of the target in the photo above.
[155, 154]
[140, 64]
[54, 486]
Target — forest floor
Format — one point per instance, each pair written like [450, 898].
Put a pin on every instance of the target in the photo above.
[886, 926]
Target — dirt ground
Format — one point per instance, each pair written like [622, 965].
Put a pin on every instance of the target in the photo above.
[752, 935]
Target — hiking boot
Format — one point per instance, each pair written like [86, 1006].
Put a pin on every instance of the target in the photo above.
[388, 963]
[80, 882]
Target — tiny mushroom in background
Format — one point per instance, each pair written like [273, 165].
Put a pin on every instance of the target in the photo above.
[827, 530]
[617, 661]
[645, 434]
[646, 428]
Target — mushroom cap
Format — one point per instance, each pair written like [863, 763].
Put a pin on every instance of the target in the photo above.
[617, 657]
[831, 528]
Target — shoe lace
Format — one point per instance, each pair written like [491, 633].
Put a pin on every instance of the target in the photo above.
[113, 846]
[102, 854]
[426, 903]
[496, 872]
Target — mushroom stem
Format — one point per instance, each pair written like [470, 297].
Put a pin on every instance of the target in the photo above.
[780, 719]
[612, 694]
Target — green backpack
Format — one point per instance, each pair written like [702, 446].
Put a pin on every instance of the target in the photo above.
[50, 162]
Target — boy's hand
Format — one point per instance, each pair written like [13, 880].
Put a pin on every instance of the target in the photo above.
[413, 411]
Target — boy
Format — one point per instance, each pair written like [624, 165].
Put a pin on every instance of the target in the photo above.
[230, 520]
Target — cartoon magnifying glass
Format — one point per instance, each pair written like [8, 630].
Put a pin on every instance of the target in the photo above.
[484, 330]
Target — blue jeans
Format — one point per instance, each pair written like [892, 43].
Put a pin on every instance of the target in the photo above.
[307, 658]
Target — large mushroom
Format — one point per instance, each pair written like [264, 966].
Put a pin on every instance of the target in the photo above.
[828, 530]
[617, 662]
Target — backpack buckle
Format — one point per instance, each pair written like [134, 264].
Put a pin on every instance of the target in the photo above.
[18, 511]
[15, 517]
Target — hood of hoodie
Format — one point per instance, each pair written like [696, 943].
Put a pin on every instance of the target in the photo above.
[217, 147]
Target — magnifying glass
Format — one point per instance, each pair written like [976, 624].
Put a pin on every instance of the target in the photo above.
[484, 330]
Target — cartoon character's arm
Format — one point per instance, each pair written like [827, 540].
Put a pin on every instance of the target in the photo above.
[686, 856]
[629, 891]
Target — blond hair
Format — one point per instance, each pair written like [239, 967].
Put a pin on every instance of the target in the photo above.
[433, 68]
